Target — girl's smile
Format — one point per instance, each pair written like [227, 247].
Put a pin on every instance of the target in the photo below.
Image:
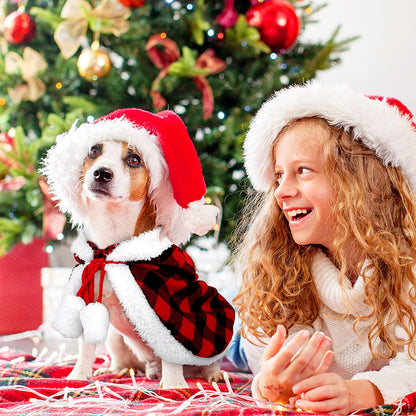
[296, 215]
[304, 190]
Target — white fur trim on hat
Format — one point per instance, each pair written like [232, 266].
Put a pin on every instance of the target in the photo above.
[64, 161]
[377, 124]
[153, 136]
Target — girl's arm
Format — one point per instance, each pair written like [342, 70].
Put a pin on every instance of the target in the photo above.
[394, 381]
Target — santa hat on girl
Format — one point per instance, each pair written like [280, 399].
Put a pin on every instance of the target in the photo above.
[177, 186]
[382, 124]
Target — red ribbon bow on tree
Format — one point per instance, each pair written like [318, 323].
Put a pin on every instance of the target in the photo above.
[166, 58]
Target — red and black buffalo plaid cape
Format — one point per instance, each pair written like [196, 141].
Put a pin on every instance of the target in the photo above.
[195, 314]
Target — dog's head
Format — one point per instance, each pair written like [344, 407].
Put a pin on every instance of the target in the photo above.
[114, 171]
[115, 184]
[132, 154]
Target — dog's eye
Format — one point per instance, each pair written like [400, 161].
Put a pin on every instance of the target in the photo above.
[95, 151]
[134, 161]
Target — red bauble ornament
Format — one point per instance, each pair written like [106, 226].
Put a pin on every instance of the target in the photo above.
[133, 4]
[277, 23]
[19, 27]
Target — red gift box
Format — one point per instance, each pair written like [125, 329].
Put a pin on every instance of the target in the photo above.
[20, 287]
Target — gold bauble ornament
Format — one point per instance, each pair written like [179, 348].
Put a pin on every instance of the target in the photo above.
[93, 63]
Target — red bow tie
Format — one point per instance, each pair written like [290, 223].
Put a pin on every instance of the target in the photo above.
[98, 263]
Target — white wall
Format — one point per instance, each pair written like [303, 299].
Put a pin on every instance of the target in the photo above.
[383, 60]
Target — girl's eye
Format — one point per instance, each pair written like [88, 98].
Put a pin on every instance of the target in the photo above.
[279, 177]
[304, 170]
[134, 161]
[95, 151]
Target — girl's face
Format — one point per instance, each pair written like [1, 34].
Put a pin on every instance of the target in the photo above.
[304, 190]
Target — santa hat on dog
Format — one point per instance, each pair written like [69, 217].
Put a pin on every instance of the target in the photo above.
[177, 185]
[382, 124]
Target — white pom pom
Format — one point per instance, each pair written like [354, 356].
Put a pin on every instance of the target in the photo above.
[67, 320]
[95, 321]
[200, 218]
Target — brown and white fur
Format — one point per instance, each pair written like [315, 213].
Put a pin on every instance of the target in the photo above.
[115, 183]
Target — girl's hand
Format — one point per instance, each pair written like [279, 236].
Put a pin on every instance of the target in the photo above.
[326, 393]
[329, 393]
[283, 367]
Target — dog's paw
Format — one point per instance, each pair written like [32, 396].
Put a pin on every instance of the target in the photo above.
[76, 374]
[172, 376]
[153, 370]
[211, 376]
[173, 384]
[104, 370]
[212, 372]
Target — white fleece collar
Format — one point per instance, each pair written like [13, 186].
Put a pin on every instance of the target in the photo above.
[343, 299]
[143, 247]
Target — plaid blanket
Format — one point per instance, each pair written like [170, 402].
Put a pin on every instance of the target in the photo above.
[37, 386]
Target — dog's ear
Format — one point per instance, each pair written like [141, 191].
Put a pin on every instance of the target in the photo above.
[147, 218]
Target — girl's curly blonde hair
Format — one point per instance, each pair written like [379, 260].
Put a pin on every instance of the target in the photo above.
[375, 208]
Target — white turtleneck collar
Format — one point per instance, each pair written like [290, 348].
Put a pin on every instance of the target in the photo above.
[343, 299]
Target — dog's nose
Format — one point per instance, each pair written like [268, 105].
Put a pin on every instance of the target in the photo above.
[103, 175]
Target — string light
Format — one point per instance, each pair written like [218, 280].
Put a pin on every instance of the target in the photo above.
[108, 399]
[51, 357]
[18, 360]
[217, 389]
[133, 378]
[42, 354]
[227, 382]
[111, 397]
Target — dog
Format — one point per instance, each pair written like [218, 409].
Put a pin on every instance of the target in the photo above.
[133, 185]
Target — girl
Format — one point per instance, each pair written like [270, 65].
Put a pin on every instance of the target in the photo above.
[329, 256]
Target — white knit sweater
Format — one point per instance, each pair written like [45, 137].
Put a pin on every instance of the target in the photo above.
[352, 358]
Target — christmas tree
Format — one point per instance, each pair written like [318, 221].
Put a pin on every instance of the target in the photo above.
[213, 62]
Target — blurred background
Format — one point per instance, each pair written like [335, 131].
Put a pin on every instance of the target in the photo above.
[382, 61]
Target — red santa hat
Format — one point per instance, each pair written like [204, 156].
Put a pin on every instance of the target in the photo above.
[177, 186]
[382, 124]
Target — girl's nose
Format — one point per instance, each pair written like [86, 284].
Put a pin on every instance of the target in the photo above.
[286, 189]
